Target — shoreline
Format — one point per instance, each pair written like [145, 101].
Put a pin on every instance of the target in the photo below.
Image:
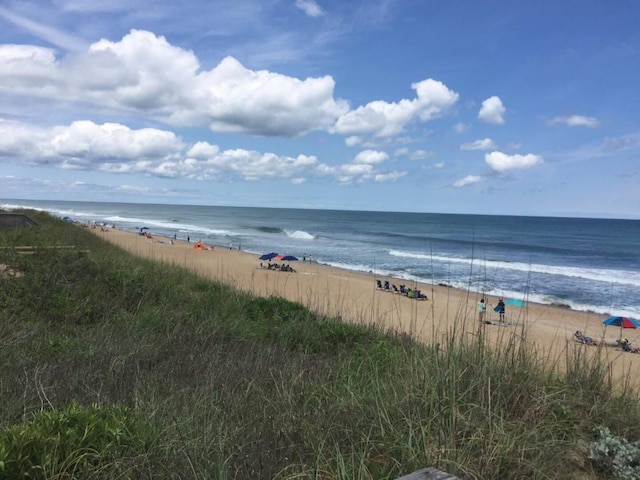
[353, 296]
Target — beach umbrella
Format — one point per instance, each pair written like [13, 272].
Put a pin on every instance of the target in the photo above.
[622, 322]
[289, 258]
[269, 256]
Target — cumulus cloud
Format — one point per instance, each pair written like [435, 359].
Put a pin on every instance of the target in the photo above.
[370, 157]
[575, 121]
[492, 111]
[145, 74]
[362, 168]
[501, 162]
[385, 119]
[484, 144]
[310, 8]
[468, 180]
[85, 141]
[116, 148]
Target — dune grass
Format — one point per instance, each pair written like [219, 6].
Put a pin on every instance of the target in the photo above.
[139, 369]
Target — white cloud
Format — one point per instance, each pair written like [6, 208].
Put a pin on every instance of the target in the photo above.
[384, 119]
[501, 162]
[85, 141]
[492, 111]
[460, 127]
[352, 141]
[133, 189]
[575, 121]
[310, 8]
[484, 144]
[116, 148]
[420, 155]
[203, 150]
[438, 165]
[389, 177]
[370, 157]
[146, 75]
[468, 180]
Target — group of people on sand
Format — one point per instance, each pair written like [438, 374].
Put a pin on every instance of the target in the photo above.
[402, 290]
[623, 343]
[285, 267]
[500, 308]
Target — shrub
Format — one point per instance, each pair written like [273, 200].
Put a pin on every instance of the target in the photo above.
[615, 456]
[73, 442]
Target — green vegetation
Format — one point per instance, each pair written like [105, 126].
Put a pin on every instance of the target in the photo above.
[112, 366]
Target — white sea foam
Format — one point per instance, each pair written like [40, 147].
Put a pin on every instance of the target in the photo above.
[181, 227]
[622, 277]
[300, 235]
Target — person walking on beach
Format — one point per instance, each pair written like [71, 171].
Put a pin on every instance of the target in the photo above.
[500, 309]
[482, 309]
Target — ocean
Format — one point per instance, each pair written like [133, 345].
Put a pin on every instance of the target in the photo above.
[581, 263]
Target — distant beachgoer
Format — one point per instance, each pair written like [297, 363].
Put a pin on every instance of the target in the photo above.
[482, 309]
[626, 346]
[501, 309]
[304, 257]
[175, 236]
[580, 337]
[188, 239]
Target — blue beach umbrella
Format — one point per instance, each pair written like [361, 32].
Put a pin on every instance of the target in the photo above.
[269, 256]
[289, 258]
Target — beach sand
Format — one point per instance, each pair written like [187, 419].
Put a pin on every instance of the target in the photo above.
[353, 297]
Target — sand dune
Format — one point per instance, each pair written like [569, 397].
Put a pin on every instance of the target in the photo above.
[354, 297]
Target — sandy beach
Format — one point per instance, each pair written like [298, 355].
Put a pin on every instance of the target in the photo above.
[353, 296]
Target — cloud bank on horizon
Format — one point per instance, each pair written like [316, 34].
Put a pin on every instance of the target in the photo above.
[321, 105]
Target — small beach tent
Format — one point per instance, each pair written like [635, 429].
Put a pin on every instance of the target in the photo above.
[200, 246]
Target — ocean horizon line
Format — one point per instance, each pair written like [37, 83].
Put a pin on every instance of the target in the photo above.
[566, 215]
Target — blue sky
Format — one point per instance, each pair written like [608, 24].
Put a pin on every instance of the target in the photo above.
[492, 107]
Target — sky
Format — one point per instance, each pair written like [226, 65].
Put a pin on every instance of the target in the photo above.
[465, 106]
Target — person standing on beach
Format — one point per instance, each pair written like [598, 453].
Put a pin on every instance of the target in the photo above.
[500, 309]
[482, 309]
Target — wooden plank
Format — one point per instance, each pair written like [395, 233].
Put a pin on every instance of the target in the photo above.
[430, 473]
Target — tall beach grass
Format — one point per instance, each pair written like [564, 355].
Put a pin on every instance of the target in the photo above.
[143, 369]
